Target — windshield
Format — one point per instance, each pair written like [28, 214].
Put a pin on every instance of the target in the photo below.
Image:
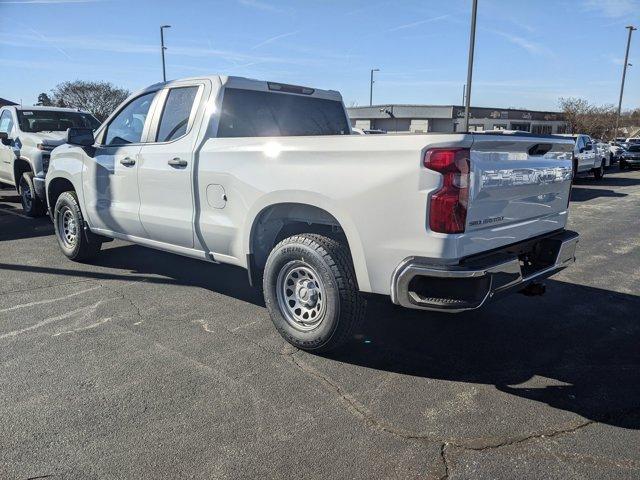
[54, 121]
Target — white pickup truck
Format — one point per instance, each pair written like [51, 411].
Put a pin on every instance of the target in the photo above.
[588, 157]
[27, 137]
[269, 177]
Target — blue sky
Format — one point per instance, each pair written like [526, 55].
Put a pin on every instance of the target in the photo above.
[528, 53]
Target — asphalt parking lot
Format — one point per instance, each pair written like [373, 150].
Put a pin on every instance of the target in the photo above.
[148, 365]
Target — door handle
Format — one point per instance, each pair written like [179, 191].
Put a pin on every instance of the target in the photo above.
[128, 162]
[177, 162]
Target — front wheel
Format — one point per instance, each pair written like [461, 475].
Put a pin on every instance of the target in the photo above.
[622, 165]
[76, 243]
[311, 292]
[31, 204]
[598, 172]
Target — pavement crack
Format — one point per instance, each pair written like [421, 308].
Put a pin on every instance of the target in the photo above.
[136, 308]
[284, 351]
[352, 405]
[444, 461]
[482, 446]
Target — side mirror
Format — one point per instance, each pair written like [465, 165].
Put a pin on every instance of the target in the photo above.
[4, 138]
[80, 136]
[589, 146]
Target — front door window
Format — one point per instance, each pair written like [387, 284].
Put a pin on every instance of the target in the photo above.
[128, 125]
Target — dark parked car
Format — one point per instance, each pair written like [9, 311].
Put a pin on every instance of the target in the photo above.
[630, 157]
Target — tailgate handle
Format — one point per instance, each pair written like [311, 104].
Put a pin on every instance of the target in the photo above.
[540, 148]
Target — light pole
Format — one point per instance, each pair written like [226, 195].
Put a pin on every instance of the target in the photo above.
[472, 43]
[162, 49]
[371, 86]
[624, 74]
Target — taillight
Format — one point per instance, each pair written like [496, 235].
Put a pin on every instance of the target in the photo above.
[448, 205]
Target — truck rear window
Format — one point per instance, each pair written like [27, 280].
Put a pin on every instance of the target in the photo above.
[250, 113]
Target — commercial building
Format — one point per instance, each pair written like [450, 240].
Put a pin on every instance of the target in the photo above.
[450, 118]
[4, 102]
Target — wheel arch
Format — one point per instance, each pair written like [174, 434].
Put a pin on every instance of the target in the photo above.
[279, 220]
[57, 186]
[20, 166]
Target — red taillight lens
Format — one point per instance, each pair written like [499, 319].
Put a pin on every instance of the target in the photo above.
[448, 205]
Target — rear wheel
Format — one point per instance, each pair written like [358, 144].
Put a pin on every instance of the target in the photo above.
[311, 292]
[75, 242]
[31, 204]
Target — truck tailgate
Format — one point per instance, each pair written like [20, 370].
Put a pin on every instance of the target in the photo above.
[517, 180]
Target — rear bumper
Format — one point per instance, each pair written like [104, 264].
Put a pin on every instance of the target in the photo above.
[419, 283]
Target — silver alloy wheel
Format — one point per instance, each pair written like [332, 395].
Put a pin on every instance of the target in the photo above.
[301, 296]
[27, 196]
[67, 227]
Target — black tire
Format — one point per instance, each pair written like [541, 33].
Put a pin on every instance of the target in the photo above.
[343, 307]
[31, 204]
[75, 242]
[598, 173]
[622, 165]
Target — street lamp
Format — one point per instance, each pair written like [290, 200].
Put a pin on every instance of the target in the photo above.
[162, 49]
[624, 74]
[472, 43]
[371, 86]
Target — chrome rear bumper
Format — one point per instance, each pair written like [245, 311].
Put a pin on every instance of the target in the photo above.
[419, 283]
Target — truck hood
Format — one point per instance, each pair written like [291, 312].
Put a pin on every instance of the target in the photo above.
[47, 138]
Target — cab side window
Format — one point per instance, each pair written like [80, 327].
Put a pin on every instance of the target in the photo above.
[176, 112]
[128, 125]
[6, 122]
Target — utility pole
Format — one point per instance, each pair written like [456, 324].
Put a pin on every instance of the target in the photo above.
[624, 74]
[472, 43]
[162, 49]
[371, 86]
[464, 93]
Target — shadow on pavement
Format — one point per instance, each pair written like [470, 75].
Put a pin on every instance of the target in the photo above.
[578, 348]
[608, 181]
[151, 266]
[585, 194]
[14, 227]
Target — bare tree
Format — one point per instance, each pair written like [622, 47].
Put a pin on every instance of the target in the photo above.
[99, 98]
[44, 100]
[583, 117]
